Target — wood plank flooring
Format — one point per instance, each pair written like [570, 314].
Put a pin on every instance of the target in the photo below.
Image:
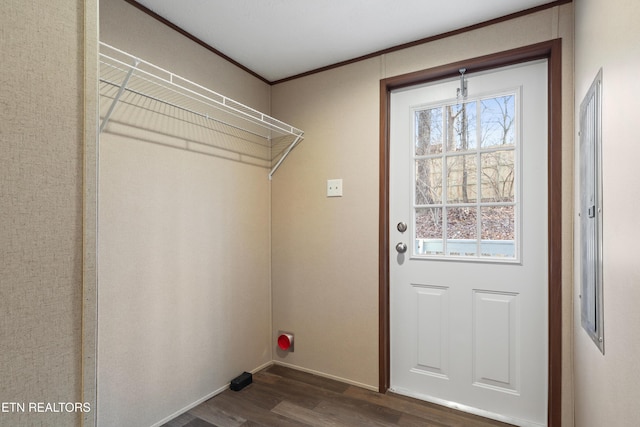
[283, 397]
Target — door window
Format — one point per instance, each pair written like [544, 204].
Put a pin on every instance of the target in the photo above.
[466, 178]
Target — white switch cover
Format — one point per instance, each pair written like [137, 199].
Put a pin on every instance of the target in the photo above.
[334, 188]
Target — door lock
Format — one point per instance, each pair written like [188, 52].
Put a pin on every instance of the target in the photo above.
[401, 248]
[402, 227]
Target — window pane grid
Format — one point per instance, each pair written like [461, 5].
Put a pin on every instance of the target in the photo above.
[465, 169]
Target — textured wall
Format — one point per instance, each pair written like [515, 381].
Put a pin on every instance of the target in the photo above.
[325, 256]
[325, 269]
[183, 241]
[130, 29]
[607, 389]
[41, 101]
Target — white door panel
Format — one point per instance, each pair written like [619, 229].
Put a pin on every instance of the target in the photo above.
[468, 319]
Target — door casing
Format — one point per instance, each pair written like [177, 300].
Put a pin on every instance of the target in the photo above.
[552, 51]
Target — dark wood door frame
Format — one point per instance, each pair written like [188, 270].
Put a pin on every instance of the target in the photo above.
[552, 51]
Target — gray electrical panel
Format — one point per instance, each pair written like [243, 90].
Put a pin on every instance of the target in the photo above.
[591, 297]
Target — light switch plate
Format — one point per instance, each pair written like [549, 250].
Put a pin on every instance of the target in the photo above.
[334, 188]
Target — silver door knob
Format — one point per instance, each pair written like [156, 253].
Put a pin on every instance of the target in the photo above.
[402, 227]
[401, 248]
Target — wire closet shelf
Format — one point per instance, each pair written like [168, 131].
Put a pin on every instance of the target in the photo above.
[126, 80]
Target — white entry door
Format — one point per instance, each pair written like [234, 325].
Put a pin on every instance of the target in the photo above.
[468, 212]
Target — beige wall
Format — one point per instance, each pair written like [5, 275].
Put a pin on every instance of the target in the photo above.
[325, 265]
[125, 27]
[183, 242]
[324, 250]
[41, 199]
[607, 387]
[325, 270]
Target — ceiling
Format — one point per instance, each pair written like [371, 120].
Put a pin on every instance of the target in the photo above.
[277, 39]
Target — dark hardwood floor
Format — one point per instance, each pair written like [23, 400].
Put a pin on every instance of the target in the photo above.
[282, 397]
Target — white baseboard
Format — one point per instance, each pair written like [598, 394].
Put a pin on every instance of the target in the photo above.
[325, 375]
[263, 366]
[191, 405]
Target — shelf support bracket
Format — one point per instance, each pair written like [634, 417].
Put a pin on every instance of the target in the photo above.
[123, 86]
[286, 153]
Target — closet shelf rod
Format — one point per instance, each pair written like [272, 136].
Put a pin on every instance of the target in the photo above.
[188, 110]
[227, 104]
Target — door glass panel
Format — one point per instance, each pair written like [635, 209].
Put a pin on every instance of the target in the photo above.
[462, 231]
[497, 176]
[428, 132]
[465, 187]
[497, 121]
[461, 126]
[497, 229]
[428, 181]
[462, 179]
[429, 231]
